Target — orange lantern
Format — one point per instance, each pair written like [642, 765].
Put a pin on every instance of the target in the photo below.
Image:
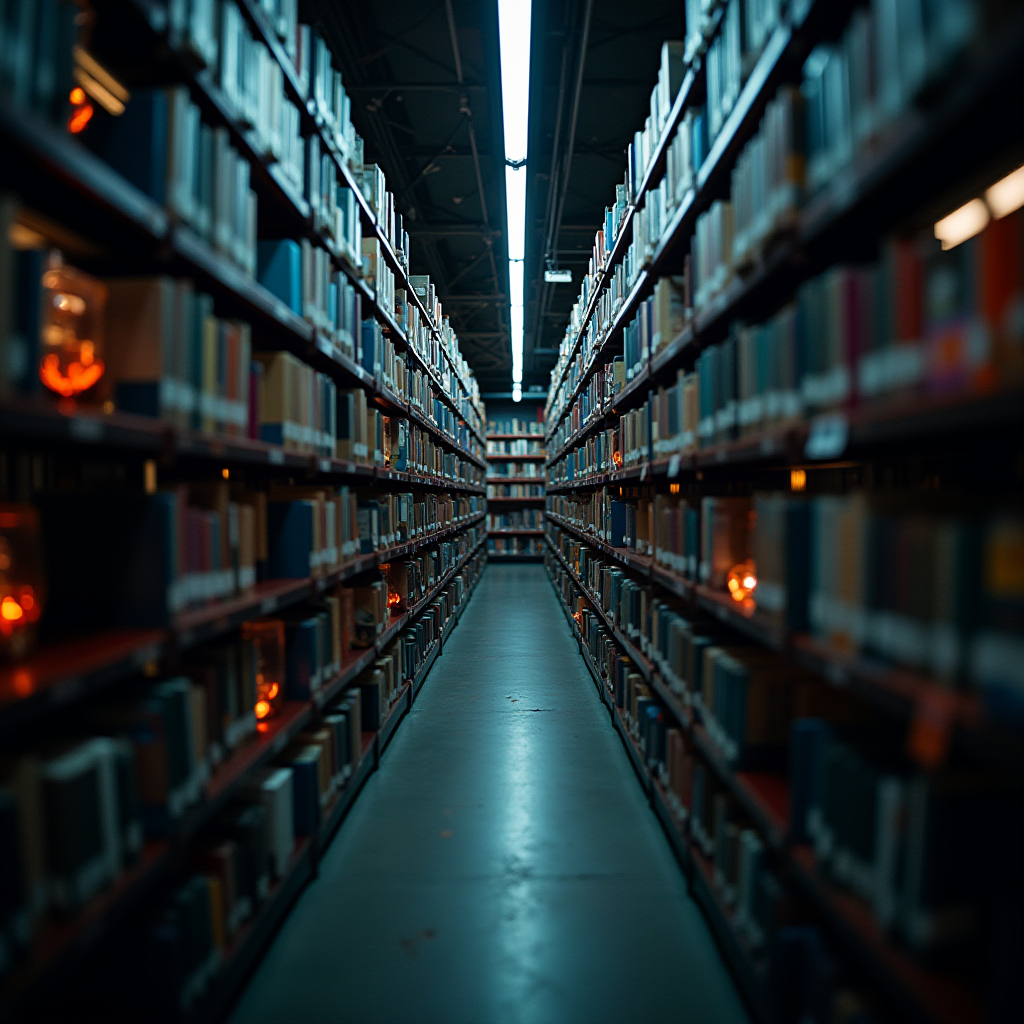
[22, 579]
[74, 305]
[742, 581]
[268, 638]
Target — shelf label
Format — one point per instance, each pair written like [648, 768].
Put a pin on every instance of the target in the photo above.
[828, 436]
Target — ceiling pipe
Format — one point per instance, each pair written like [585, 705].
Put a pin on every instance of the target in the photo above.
[467, 111]
[565, 170]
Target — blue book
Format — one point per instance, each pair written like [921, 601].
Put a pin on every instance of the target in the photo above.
[279, 270]
[305, 766]
[810, 738]
[135, 144]
[618, 524]
[371, 342]
[290, 536]
[302, 658]
[370, 704]
[798, 566]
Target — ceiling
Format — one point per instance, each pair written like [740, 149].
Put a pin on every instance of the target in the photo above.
[425, 83]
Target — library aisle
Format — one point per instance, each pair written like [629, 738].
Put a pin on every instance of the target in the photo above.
[502, 865]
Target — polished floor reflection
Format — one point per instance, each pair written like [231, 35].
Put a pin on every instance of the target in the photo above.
[502, 865]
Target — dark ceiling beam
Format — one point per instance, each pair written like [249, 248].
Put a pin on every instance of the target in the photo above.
[559, 182]
[467, 110]
[430, 166]
[468, 267]
[401, 87]
[343, 23]
[452, 231]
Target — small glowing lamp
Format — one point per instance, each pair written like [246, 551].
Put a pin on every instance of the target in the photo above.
[742, 581]
[82, 111]
[22, 579]
[72, 329]
[617, 459]
[268, 638]
[798, 480]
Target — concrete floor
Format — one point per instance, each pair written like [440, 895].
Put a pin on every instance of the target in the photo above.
[503, 864]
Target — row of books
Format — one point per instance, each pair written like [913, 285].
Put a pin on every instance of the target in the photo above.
[152, 556]
[921, 318]
[811, 127]
[232, 869]
[793, 966]
[194, 171]
[520, 519]
[36, 67]
[533, 546]
[160, 144]
[521, 446]
[608, 380]
[515, 490]
[333, 205]
[302, 276]
[389, 519]
[627, 443]
[919, 586]
[514, 469]
[366, 435]
[875, 823]
[78, 814]
[889, 53]
[514, 425]
[154, 346]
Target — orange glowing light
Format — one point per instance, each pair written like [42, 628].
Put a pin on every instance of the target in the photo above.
[80, 117]
[23, 684]
[742, 581]
[673, 488]
[617, 459]
[80, 376]
[273, 690]
[797, 480]
[393, 599]
[10, 610]
[226, 473]
[77, 96]
[262, 708]
[28, 601]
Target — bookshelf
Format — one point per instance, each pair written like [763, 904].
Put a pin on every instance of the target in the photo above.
[689, 483]
[515, 490]
[299, 476]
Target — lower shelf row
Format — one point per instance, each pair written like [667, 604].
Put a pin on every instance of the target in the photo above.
[839, 880]
[178, 819]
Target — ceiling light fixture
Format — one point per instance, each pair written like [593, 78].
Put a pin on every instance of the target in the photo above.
[514, 45]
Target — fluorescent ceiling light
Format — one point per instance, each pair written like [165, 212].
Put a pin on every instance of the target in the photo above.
[514, 47]
[962, 224]
[1007, 194]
